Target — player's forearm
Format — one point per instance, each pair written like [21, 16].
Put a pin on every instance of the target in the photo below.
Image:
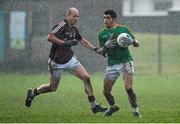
[51, 38]
[87, 44]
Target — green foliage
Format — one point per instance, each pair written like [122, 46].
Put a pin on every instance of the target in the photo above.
[158, 98]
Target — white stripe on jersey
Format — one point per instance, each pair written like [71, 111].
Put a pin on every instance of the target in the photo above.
[60, 25]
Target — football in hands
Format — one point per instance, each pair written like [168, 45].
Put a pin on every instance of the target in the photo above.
[124, 40]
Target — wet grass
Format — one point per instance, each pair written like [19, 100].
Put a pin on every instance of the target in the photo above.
[158, 98]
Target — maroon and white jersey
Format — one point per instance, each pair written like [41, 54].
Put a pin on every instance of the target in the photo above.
[61, 53]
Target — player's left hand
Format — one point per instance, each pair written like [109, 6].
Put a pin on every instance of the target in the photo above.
[135, 43]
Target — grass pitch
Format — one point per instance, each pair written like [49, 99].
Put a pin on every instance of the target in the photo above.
[158, 97]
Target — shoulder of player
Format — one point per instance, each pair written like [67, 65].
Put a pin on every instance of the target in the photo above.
[101, 30]
[58, 26]
[123, 26]
[61, 24]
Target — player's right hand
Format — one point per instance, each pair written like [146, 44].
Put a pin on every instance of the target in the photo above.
[97, 50]
[70, 42]
[110, 44]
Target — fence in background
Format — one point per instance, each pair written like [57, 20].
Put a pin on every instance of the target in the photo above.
[42, 14]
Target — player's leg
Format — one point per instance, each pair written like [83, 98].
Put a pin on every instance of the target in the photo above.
[54, 78]
[128, 82]
[82, 74]
[49, 87]
[108, 85]
[44, 88]
[112, 73]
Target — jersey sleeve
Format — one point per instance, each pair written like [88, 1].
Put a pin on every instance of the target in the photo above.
[129, 32]
[58, 28]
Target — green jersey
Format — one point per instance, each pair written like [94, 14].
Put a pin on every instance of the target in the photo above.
[118, 54]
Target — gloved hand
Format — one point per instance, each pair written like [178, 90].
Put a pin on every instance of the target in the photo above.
[101, 52]
[70, 42]
[97, 50]
[110, 43]
[135, 43]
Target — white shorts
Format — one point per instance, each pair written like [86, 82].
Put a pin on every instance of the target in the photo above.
[113, 72]
[56, 70]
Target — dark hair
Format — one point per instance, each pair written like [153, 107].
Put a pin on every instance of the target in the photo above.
[110, 12]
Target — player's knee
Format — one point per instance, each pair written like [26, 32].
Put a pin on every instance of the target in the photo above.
[128, 86]
[54, 85]
[53, 88]
[86, 78]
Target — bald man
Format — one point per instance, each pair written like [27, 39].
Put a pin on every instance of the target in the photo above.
[63, 36]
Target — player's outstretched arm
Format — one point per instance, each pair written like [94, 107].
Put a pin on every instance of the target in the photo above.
[87, 44]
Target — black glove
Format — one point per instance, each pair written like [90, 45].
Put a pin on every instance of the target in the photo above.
[135, 43]
[70, 42]
[97, 50]
[100, 51]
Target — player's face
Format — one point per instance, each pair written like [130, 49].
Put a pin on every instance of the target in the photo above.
[108, 21]
[73, 17]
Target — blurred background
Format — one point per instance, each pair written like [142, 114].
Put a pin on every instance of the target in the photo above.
[25, 24]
